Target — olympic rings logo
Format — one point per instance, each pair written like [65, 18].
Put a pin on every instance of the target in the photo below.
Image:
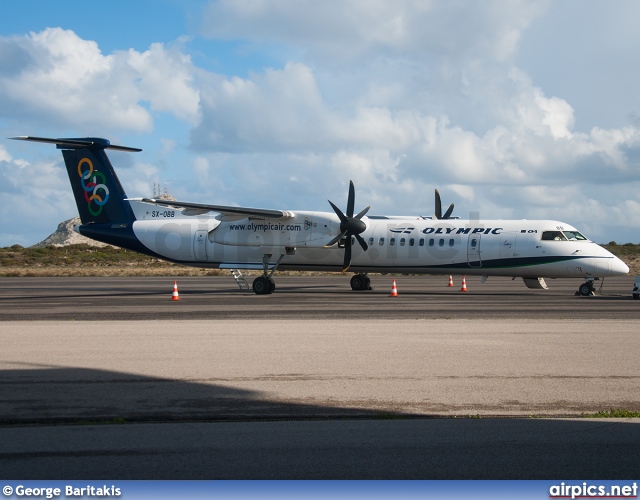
[96, 191]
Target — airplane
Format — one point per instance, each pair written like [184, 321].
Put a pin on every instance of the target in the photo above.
[270, 239]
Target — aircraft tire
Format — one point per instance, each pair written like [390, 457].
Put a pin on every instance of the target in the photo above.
[262, 286]
[585, 289]
[360, 282]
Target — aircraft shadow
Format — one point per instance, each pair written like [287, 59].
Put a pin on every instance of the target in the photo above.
[46, 395]
[234, 433]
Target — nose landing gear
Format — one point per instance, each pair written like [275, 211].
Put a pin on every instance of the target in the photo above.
[587, 288]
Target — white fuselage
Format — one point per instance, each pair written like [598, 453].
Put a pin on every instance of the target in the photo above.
[396, 244]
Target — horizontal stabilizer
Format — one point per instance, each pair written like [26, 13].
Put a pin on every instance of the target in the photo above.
[87, 142]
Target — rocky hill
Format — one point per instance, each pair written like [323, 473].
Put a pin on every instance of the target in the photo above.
[65, 235]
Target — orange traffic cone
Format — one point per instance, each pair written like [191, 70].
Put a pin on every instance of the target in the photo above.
[394, 289]
[450, 280]
[464, 285]
[175, 295]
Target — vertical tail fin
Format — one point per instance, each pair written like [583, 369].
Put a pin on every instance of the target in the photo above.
[96, 188]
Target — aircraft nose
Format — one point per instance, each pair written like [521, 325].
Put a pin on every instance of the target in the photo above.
[607, 264]
[618, 267]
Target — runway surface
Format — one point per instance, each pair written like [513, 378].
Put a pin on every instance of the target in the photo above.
[310, 297]
[106, 377]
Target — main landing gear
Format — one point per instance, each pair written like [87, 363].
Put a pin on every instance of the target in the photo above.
[264, 285]
[360, 282]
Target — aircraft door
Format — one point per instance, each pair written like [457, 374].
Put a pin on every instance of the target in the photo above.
[473, 251]
[508, 246]
[200, 245]
[602, 267]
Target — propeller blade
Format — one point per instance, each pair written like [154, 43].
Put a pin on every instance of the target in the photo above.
[338, 212]
[362, 214]
[448, 213]
[350, 226]
[347, 255]
[363, 243]
[351, 201]
[438, 212]
[335, 240]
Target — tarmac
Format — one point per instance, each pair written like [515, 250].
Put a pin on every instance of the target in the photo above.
[109, 377]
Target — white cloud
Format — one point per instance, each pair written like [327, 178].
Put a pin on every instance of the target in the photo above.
[443, 110]
[397, 149]
[65, 81]
[167, 80]
[272, 110]
[138, 181]
[35, 192]
[543, 115]
[4, 155]
[333, 31]
[401, 97]
[168, 145]
[201, 168]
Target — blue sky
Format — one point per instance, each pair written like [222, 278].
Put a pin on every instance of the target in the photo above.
[511, 108]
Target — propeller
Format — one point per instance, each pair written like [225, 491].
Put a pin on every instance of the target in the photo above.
[438, 213]
[349, 226]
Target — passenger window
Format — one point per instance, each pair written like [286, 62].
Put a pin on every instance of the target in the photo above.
[474, 242]
[392, 241]
[381, 241]
[441, 242]
[421, 242]
[370, 241]
[430, 242]
[412, 242]
[451, 242]
[402, 241]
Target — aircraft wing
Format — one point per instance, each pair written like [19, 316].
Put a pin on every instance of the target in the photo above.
[226, 212]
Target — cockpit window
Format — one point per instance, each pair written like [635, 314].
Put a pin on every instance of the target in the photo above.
[553, 235]
[574, 236]
[563, 236]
